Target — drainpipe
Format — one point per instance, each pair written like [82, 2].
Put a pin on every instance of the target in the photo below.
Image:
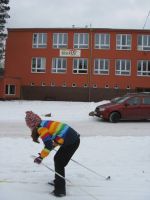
[90, 66]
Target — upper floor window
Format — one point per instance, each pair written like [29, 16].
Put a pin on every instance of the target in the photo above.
[60, 40]
[10, 89]
[144, 42]
[80, 66]
[143, 68]
[39, 40]
[123, 67]
[59, 65]
[101, 66]
[38, 64]
[81, 40]
[102, 41]
[123, 42]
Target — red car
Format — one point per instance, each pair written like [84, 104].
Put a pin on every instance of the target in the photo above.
[132, 106]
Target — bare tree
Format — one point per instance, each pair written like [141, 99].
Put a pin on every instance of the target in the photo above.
[4, 8]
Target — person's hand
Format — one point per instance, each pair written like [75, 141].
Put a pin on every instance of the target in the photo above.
[38, 160]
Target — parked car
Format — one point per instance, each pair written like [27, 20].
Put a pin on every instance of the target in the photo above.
[132, 106]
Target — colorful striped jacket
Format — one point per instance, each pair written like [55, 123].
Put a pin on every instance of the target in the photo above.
[54, 132]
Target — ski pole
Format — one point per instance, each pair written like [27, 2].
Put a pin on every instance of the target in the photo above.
[106, 178]
[52, 170]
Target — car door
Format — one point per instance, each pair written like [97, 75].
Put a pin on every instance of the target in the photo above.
[132, 108]
[145, 107]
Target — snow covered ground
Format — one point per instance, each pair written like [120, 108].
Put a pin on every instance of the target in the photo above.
[120, 150]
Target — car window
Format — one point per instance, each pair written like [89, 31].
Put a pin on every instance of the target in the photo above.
[146, 100]
[134, 101]
[115, 100]
[121, 99]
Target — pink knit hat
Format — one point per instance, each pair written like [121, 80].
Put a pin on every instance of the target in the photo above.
[32, 119]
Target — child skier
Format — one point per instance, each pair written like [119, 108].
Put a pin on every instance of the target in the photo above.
[53, 134]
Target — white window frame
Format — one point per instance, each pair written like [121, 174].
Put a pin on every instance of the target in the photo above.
[123, 41]
[60, 40]
[39, 40]
[81, 40]
[143, 68]
[143, 43]
[8, 89]
[101, 66]
[59, 65]
[102, 41]
[38, 65]
[80, 66]
[121, 67]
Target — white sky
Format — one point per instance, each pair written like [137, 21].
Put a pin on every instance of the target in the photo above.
[65, 13]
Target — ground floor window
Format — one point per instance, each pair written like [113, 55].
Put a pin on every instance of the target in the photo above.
[10, 89]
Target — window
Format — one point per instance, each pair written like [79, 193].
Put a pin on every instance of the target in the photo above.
[80, 66]
[134, 101]
[38, 65]
[39, 40]
[116, 87]
[10, 89]
[43, 84]
[32, 84]
[101, 66]
[60, 40]
[94, 85]
[143, 68]
[52, 84]
[146, 100]
[102, 41]
[59, 65]
[128, 87]
[144, 42]
[64, 84]
[123, 67]
[81, 40]
[123, 42]
[74, 85]
[85, 85]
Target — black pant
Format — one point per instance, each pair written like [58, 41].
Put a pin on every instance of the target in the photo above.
[61, 159]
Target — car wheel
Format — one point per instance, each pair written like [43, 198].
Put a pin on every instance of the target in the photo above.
[114, 117]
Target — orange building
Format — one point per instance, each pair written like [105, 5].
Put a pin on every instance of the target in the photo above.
[77, 64]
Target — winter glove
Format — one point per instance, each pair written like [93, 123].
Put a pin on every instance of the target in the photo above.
[38, 160]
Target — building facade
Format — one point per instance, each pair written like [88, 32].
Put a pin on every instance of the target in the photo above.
[75, 64]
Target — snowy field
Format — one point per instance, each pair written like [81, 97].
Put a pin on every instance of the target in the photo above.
[120, 150]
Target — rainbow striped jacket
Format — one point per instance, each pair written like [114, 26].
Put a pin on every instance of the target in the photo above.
[54, 132]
